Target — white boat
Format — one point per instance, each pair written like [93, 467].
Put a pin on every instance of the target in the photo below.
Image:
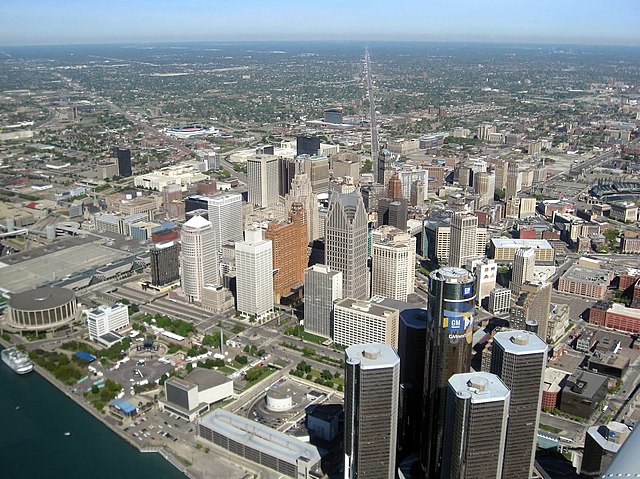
[17, 360]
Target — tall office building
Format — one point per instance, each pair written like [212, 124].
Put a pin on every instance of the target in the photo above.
[393, 213]
[372, 381]
[346, 239]
[393, 263]
[357, 322]
[307, 145]
[288, 168]
[382, 168]
[317, 169]
[484, 185]
[262, 178]
[199, 257]
[254, 275]
[123, 159]
[464, 244]
[519, 359]
[394, 189]
[451, 309]
[514, 184]
[524, 264]
[165, 263]
[225, 214]
[289, 252]
[417, 193]
[172, 201]
[322, 287]
[476, 426]
[532, 305]
[300, 192]
[104, 319]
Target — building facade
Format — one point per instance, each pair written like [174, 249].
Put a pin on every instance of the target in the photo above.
[199, 258]
[262, 176]
[254, 275]
[165, 263]
[322, 287]
[104, 319]
[356, 321]
[393, 263]
[463, 244]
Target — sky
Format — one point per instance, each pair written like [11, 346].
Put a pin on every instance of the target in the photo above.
[39, 22]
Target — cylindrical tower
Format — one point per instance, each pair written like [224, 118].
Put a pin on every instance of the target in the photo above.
[448, 352]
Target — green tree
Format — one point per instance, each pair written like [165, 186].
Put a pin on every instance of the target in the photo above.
[242, 359]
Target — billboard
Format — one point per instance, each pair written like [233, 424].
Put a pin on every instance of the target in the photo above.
[458, 324]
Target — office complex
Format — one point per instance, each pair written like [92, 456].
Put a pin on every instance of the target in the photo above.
[519, 359]
[356, 321]
[464, 241]
[393, 263]
[601, 444]
[322, 287]
[254, 275]
[451, 310]
[289, 252]
[307, 145]
[393, 212]
[532, 306]
[382, 167]
[484, 185]
[475, 426]
[262, 178]
[372, 381]
[524, 263]
[288, 168]
[346, 238]
[394, 188]
[165, 263]
[104, 319]
[514, 184]
[199, 257]
[504, 250]
[123, 159]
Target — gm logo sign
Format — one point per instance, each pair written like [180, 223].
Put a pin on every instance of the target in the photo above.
[456, 324]
[467, 290]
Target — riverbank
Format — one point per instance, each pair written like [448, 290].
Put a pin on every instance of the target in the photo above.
[161, 450]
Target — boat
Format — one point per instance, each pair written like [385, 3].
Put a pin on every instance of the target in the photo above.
[17, 360]
[67, 433]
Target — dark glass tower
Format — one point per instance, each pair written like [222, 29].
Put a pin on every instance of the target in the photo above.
[165, 263]
[123, 156]
[448, 352]
[307, 145]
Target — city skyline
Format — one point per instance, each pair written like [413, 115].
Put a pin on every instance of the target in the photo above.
[74, 22]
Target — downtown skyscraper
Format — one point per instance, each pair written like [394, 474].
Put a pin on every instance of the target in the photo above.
[450, 317]
[199, 258]
[464, 241]
[346, 239]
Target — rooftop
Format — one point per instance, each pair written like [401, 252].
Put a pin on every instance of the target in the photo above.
[368, 307]
[259, 437]
[41, 298]
[554, 380]
[520, 342]
[583, 274]
[372, 356]
[197, 222]
[516, 243]
[585, 383]
[206, 378]
[479, 387]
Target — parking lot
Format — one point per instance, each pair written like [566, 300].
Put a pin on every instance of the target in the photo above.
[135, 371]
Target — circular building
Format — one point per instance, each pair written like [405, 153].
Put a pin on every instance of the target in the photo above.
[278, 401]
[42, 308]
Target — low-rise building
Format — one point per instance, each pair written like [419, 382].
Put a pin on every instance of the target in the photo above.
[615, 316]
[260, 444]
[192, 396]
[583, 393]
[626, 212]
[586, 282]
[182, 175]
[553, 382]
[503, 250]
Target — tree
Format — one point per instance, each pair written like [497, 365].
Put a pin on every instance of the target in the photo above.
[308, 352]
[212, 340]
[255, 373]
[242, 359]
[326, 374]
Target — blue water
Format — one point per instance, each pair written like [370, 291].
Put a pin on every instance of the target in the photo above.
[33, 444]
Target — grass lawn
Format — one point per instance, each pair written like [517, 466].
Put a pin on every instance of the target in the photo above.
[313, 338]
[550, 429]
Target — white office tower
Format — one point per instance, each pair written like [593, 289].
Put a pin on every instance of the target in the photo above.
[393, 263]
[322, 287]
[346, 242]
[524, 265]
[199, 257]
[104, 319]
[464, 241]
[519, 359]
[225, 214]
[254, 275]
[372, 382]
[477, 410]
[262, 176]
[300, 192]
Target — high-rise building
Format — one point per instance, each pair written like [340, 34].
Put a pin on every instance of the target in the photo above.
[451, 308]
[289, 252]
[225, 214]
[393, 263]
[476, 426]
[262, 177]
[532, 305]
[524, 264]
[300, 192]
[364, 321]
[601, 444]
[393, 213]
[527, 208]
[254, 275]
[417, 193]
[317, 169]
[307, 145]
[165, 263]
[382, 168]
[346, 239]
[288, 168]
[104, 319]
[372, 381]
[484, 185]
[394, 189]
[486, 271]
[514, 184]
[123, 158]
[172, 201]
[499, 300]
[322, 287]
[199, 257]
[519, 359]
[464, 241]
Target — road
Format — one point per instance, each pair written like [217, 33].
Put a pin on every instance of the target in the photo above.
[372, 109]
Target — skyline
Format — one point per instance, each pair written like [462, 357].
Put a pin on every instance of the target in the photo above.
[75, 22]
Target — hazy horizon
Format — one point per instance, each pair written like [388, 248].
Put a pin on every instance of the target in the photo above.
[75, 22]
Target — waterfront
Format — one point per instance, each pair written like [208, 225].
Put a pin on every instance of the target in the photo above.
[34, 446]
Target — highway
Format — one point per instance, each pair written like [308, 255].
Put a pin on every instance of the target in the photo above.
[372, 109]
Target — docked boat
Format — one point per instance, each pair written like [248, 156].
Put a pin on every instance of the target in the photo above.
[17, 360]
